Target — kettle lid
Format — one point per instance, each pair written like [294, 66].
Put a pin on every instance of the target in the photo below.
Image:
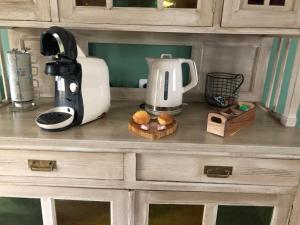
[58, 41]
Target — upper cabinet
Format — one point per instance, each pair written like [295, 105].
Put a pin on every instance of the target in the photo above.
[261, 13]
[25, 10]
[138, 12]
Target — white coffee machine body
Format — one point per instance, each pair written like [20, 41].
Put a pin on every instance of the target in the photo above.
[95, 89]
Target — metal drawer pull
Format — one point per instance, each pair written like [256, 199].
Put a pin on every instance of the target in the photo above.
[218, 171]
[42, 165]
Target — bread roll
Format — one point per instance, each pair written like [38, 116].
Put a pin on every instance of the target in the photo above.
[141, 117]
[165, 119]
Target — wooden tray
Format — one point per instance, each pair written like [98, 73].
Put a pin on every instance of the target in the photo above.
[225, 124]
[152, 133]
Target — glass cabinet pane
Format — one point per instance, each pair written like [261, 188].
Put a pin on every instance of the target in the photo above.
[244, 215]
[256, 2]
[175, 214]
[135, 3]
[20, 211]
[180, 4]
[69, 212]
[277, 2]
[91, 2]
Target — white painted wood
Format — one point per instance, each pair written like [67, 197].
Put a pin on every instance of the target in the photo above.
[109, 4]
[274, 71]
[131, 207]
[130, 167]
[237, 13]
[48, 211]
[54, 11]
[295, 213]
[69, 12]
[25, 10]
[146, 185]
[281, 75]
[289, 117]
[210, 214]
[187, 168]
[152, 28]
[72, 164]
[281, 213]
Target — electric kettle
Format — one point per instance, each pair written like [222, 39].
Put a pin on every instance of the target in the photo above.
[164, 87]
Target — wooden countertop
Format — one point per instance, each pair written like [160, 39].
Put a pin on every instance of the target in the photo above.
[265, 138]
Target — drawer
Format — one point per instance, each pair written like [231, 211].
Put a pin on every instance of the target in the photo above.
[67, 164]
[192, 168]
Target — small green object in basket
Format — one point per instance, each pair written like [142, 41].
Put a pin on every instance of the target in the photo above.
[244, 108]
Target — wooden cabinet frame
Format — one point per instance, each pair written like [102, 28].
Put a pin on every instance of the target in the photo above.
[282, 203]
[202, 16]
[24, 10]
[117, 198]
[237, 13]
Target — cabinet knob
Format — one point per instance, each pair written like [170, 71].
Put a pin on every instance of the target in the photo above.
[218, 171]
[42, 165]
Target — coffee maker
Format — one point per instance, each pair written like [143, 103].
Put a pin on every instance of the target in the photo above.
[82, 91]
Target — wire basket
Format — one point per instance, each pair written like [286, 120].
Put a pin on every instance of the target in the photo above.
[222, 89]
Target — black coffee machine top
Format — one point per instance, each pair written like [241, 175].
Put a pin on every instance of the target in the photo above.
[82, 91]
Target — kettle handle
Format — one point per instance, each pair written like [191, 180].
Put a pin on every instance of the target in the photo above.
[193, 75]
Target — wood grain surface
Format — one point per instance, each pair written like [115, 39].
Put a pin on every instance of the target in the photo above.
[265, 138]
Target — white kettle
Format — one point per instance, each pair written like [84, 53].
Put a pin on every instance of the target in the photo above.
[164, 88]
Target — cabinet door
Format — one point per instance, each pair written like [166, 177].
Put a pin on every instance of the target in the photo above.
[136, 12]
[20, 211]
[261, 13]
[92, 207]
[37, 10]
[63, 206]
[195, 208]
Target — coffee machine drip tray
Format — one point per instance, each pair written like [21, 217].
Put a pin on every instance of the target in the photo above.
[58, 118]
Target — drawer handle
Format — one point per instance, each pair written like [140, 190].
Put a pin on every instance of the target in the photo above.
[42, 165]
[218, 171]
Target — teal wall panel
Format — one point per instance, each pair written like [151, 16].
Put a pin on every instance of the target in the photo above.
[287, 73]
[278, 70]
[287, 76]
[127, 63]
[298, 118]
[271, 64]
[5, 45]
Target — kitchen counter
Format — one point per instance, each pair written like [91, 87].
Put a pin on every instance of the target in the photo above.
[266, 138]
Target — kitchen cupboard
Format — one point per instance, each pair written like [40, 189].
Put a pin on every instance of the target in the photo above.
[105, 175]
[261, 13]
[203, 208]
[25, 10]
[160, 12]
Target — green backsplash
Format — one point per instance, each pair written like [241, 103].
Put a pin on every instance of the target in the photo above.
[4, 42]
[127, 63]
[287, 73]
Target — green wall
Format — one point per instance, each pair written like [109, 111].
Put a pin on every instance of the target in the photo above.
[287, 73]
[4, 41]
[127, 62]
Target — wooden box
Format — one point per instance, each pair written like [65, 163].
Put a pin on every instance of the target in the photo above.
[230, 121]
